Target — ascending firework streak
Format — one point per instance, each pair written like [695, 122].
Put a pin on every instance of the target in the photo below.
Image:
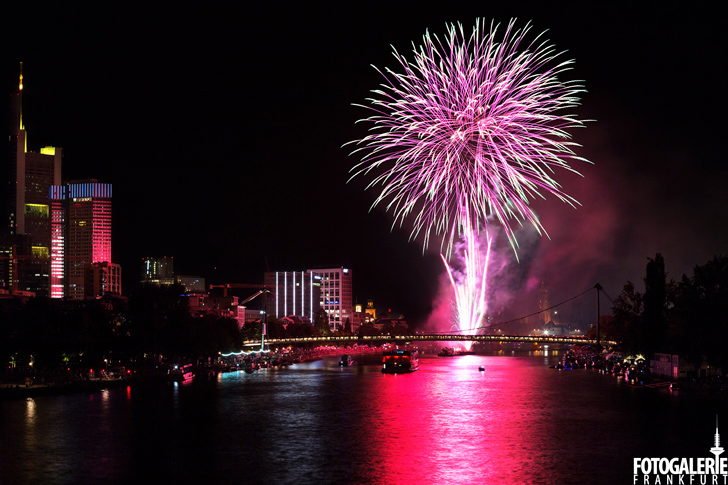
[471, 302]
[471, 130]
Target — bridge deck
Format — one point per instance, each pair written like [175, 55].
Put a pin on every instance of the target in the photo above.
[541, 339]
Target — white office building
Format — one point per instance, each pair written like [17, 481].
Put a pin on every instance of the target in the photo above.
[295, 293]
[336, 295]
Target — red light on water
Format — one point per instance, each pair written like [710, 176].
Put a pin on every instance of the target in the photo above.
[465, 448]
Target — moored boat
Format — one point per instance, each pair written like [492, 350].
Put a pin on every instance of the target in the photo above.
[346, 360]
[181, 373]
[447, 352]
[400, 361]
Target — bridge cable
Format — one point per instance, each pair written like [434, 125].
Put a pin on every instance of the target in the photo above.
[526, 316]
[607, 295]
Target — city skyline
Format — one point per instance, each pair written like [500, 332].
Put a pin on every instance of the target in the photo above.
[222, 136]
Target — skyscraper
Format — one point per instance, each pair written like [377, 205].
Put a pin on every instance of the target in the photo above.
[31, 176]
[81, 229]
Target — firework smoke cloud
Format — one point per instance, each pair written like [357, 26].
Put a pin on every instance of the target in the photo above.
[470, 130]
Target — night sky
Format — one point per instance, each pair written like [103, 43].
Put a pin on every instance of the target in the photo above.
[221, 128]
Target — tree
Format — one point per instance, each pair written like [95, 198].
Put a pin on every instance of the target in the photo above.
[158, 319]
[655, 306]
[252, 330]
[274, 329]
[366, 329]
[300, 330]
[608, 329]
[627, 312]
[321, 321]
[702, 313]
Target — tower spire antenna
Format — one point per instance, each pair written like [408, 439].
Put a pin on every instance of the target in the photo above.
[20, 96]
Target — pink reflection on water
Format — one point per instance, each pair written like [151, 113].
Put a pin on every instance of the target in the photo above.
[418, 425]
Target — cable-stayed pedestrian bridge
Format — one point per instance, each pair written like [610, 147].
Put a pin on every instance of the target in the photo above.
[427, 337]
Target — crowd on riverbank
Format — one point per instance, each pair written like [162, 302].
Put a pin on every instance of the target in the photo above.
[290, 355]
[305, 355]
[636, 372]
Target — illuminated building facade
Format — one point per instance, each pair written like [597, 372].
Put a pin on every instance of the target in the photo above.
[158, 271]
[192, 284]
[294, 293]
[15, 257]
[102, 279]
[31, 176]
[363, 314]
[336, 295]
[81, 234]
[371, 310]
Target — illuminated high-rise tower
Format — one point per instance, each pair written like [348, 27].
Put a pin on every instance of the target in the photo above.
[81, 228]
[31, 175]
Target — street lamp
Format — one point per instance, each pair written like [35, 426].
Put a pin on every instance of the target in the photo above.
[262, 336]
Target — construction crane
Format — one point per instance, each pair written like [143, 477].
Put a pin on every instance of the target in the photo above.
[228, 286]
[265, 315]
[264, 290]
[256, 295]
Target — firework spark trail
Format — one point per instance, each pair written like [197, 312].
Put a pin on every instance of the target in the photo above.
[471, 121]
[471, 303]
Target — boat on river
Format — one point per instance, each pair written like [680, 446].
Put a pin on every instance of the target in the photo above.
[181, 373]
[447, 352]
[346, 360]
[400, 361]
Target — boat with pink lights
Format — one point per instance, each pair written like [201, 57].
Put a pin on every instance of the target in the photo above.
[181, 373]
[400, 361]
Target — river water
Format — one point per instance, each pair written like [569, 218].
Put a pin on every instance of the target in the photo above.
[515, 422]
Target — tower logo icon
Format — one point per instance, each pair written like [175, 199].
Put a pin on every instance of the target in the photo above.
[661, 470]
[716, 449]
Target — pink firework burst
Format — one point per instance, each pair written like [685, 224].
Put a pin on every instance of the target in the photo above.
[476, 121]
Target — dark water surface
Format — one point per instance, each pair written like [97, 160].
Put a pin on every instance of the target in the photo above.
[516, 422]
